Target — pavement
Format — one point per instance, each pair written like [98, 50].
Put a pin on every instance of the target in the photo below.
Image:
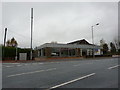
[52, 59]
[92, 73]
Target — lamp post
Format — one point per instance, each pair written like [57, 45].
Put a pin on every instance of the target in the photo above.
[92, 27]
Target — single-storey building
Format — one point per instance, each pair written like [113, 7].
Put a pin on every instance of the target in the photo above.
[77, 48]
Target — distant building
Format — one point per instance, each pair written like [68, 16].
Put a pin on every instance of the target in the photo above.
[77, 48]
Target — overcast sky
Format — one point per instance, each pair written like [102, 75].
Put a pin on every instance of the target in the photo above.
[60, 21]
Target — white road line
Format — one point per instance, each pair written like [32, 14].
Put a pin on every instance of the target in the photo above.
[72, 81]
[113, 67]
[31, 72]
[15, 63]
[9, 66]
[50, 69]
[77, 65]
[82, 64]
[12, 66]
[34, 63]
[18, 65]
[26, 64]
[40, 63]
[10, 63]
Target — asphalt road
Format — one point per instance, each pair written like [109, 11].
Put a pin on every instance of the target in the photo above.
[102, 73]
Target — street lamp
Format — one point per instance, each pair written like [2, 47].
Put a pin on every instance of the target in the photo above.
[93, 38]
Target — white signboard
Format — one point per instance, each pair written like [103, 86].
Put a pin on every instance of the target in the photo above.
[22, 56]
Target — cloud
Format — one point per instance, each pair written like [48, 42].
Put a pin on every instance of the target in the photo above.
[62, 22]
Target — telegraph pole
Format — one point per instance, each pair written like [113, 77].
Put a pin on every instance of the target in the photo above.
[4, 42]
[5, 36]
[31, 31]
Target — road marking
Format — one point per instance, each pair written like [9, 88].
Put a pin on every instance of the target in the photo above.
[40, 63]
[26, 64]
[31, 72]
[34, 63]
[82, 64]
[12, 66]
[113, 67]
[72, 81]
[15, 63]
[18, 65]
[50, 69]
[76, 65]
[8, 66]
[10, 63]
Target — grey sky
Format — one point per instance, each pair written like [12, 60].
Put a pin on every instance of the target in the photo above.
[60, 21]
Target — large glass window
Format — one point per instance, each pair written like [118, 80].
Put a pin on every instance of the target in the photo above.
[64, 51]
[55, 52]
[72, 52]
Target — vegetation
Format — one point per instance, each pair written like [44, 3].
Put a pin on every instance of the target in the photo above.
[105, 48]
[113, 48]
[12, 43]
[10, 52]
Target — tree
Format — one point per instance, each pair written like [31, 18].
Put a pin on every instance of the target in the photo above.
[113, 48]
[117, 44]
[8, 43]
[12, 43]
[105, 48]
[119, 48]
[102, 42]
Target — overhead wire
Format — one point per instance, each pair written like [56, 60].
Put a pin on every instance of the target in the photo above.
[21, 35]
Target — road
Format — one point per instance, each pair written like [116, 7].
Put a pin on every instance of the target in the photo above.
[102, 73]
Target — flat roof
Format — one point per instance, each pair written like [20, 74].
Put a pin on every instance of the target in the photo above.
[57, 45]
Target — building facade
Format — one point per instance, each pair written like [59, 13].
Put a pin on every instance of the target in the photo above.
[73, 49]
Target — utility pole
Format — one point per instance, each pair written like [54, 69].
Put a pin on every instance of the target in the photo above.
[5, 36]
[31, 31]
[4, 42]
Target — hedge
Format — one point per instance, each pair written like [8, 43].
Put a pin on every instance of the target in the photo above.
[9, 53]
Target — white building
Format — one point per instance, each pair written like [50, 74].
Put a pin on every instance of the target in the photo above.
[73, 49]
